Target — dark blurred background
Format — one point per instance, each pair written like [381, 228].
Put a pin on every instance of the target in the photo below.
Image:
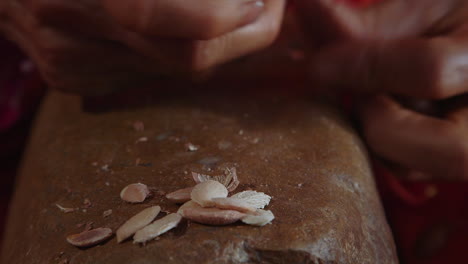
[20, 93]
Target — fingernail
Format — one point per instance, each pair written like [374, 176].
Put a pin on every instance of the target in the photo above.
[251, 11]
[259, 3]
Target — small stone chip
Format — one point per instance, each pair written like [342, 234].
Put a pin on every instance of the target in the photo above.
[259, 218]
[138, 126]
[88, 226]
[180, 196]
[107, 213]
[135, 193]
[137, 222]
[255, 199]
[157, 228]
[64, 261]
[230, 203]
[105, 167]
[191, 147]
[87, 203]
[90, 238]
[223, 145]
[204, 192]
[142, 139]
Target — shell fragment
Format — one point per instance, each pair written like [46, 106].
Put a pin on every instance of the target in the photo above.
[229, 179]
[255, 199]
[135, 193]
[260, 218]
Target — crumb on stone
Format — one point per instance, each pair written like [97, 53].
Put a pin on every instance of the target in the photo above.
[191, 147]
[65, 209]
[138, 126]
[107, 213]
[87, 203]
[142, 139]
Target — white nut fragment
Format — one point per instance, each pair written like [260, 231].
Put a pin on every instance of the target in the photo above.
[255, 199]
[233, 204]
[65, 209]
[180, 196]
[259, 218]
[137, 222]
[203, 192]
[211, 216]
[157, 228]
[191, 147]
[90, 237]
[135, 193]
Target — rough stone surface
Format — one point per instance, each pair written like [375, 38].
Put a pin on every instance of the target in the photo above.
[306, 157]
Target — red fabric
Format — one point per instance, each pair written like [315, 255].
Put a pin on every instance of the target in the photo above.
[20, 93]
[428, 219]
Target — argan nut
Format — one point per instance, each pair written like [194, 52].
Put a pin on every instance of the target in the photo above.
[180, 196]
[135, 193]
[90, 238]
[157, 228]
[211, 216]
[203, 192]
[137, 222]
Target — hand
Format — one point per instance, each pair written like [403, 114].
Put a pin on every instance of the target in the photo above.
[97, 46]
[417, 49]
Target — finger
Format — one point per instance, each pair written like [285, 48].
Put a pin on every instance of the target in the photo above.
[457, 110]
[433, 146]
[189, 56]
[79, 64]
[245, 40]
[424, 68]
[202, 19]
[334, 20]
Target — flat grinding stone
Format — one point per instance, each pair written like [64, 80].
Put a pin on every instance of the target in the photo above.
[300, 152]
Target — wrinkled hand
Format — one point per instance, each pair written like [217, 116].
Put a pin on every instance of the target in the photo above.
[97, 46]
[412, 48]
